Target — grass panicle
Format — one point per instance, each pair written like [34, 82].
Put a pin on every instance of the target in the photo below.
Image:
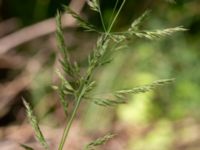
[135, 30]
[157, 34]
[82, 84]
[121, 96]
[145, 88]
[69, 68]
[34, 123]
[99, 141]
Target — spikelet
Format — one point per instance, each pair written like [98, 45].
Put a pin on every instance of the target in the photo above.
[34, 124]
[93, 5]
[84, 24]
[99, 141]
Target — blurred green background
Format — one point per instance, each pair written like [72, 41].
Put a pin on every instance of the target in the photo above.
[165, 119]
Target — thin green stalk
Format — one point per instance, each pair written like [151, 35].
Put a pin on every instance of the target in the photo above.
[101, 16]
[115, 18]
[69, 123]
[78, 101]
[113, 12]
[88, 76]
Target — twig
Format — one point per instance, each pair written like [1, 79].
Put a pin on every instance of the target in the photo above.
[39, 29]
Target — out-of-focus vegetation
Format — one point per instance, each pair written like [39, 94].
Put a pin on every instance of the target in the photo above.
[167, 118]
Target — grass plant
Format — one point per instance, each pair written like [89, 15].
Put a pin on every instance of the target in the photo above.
[107, 44]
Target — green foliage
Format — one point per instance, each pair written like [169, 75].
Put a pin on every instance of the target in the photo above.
[34, 123]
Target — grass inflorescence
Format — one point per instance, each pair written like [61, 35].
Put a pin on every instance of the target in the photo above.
[107, 44]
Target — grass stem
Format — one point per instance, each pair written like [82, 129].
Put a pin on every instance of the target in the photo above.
[69, 123]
